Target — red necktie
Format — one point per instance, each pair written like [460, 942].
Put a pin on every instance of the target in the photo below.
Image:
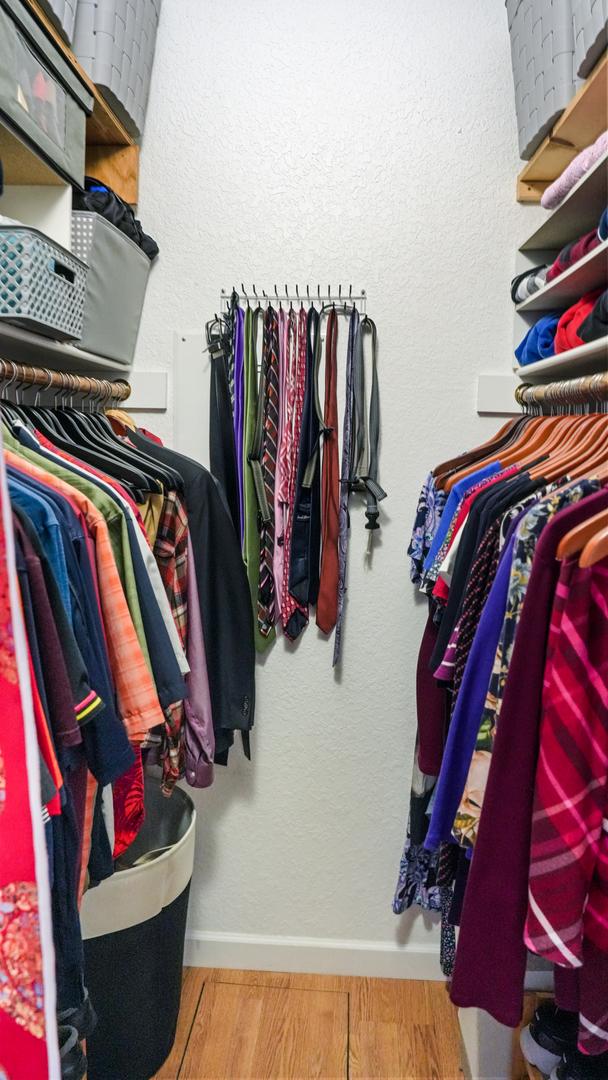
[327, 603]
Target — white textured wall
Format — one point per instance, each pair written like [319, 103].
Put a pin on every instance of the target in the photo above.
[337, 141]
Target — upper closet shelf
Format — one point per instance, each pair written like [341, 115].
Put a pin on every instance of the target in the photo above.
[579, 125]
[25, 347]
[587, 274]
[588, 359]
[577, 214]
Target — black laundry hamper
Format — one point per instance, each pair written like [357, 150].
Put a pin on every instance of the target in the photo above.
[134, 926]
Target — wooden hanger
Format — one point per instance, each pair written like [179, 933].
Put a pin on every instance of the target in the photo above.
[466, 458]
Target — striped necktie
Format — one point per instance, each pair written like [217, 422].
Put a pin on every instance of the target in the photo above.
[327, 602]
[294, 614]
[270, 369]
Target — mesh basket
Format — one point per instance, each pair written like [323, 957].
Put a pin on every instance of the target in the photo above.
[42, 286]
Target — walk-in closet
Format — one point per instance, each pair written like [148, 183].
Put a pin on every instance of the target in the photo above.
[303, 540]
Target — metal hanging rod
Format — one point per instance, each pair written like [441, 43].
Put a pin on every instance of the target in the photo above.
[100, 391]
[586, 390]
[307, 294]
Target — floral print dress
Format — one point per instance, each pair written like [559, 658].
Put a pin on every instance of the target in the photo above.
[530, 528]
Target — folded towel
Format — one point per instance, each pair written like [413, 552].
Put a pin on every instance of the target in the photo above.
[571, 253]
[558, 190]
[602, 229]
[567, 335]
[539, 342]
[524, 285]
[596, 324]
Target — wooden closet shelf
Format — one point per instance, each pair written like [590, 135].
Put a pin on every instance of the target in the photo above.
[579, 125]
[112, 155]
[577, 214]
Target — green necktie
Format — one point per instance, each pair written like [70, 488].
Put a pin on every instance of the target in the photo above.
[251, 540]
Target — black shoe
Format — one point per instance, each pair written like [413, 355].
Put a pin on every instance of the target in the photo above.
[577, 1066]
[551, 1033]
[83, 1018]
[73, 1061]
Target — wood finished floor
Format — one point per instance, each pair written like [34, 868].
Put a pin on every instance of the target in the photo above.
[258, 1025]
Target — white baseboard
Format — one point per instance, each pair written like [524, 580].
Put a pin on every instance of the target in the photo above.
[318, 956]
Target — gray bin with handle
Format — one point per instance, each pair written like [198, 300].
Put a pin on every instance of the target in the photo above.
[114, 40]
[42, 99]
[62, 14]
[590, 33]
[542, 57]
[116, 286]
[42, 286]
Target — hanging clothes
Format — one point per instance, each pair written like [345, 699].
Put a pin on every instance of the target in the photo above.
[139, 652]
[518, 772]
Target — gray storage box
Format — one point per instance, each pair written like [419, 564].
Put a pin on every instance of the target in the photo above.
[116, 286]
[41, 99]
[114, 41]
[542, 57]
[62, 14]
[590, 33]
[42, 286]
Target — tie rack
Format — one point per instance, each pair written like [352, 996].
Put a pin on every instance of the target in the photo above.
[99, 392]
[308, 295]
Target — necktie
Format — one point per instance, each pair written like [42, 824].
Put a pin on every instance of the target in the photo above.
[239, 324]
[279, 487]
[222, 450]
[251, 540]
[353, 331]
[306, 534]
[327, 603]
[294, 614]
[270, 370]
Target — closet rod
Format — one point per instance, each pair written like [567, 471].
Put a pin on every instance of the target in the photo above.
[586, 390]
[23, 375]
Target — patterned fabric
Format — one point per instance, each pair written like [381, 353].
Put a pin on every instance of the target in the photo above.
[568, 888]
[483, 572]
[171, 554]
[270, 366]
[417, 880]
[431, 502]
[21, 994]
[528, 532]
[296, 384]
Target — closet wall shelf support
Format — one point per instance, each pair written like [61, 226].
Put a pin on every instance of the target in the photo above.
[586, 274]
[112, 155]
[579, 125]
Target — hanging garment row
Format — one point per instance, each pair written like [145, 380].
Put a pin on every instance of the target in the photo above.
[138, 654]
[275, 450]
[507, 833]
